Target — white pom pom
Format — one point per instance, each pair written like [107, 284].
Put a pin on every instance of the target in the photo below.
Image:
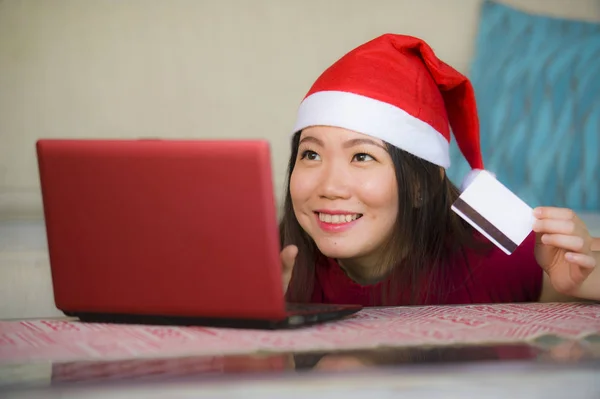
[471, 176]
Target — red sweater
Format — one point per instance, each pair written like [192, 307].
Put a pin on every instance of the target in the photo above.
[494, 277]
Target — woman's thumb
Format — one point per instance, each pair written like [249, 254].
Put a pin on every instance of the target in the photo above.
[288, 257]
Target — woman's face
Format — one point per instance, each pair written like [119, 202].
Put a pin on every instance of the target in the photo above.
[344, 192]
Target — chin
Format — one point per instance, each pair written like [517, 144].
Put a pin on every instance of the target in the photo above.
[337, 250]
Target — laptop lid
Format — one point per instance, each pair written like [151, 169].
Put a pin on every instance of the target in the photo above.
[162, 227]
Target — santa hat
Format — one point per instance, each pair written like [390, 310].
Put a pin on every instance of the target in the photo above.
[394, 88]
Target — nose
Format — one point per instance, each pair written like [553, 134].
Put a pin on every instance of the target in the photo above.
[334, 182]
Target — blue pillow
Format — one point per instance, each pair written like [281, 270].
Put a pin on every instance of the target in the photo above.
[537, 85]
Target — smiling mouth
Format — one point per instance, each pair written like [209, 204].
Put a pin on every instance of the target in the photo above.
[338, 219]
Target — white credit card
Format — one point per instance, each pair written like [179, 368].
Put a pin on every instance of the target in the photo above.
[496, 212]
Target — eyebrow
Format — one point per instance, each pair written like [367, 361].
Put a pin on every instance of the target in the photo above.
[347, 144]
[355, 142]
[311, 139]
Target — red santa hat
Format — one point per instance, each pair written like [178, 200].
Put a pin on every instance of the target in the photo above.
[394, 88]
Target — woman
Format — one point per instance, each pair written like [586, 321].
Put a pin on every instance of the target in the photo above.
[367, 215]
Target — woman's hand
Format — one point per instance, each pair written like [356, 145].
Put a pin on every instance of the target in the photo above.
[563, 248]
[288, 258]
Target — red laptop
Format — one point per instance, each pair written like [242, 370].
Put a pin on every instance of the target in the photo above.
[167, 232]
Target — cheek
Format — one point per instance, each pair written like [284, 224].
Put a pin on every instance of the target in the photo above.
[301, 190]
[380, 193]
[301, 186]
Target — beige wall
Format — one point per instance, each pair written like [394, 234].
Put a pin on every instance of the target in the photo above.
[192, 68]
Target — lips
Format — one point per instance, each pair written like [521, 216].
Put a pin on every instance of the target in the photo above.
[336, 221]
[338, 218]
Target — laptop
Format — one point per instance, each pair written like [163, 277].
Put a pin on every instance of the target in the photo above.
[177, 232]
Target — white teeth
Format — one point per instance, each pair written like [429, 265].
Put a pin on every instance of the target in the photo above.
[337, 219]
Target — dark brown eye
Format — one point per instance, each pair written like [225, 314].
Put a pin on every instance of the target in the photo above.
[310, 155]
[362, 157]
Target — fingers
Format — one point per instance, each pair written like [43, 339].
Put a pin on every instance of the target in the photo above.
[582, 260]
[562, 228]
[556, 226]
[548, 212]
[288, 257]
[563, 241]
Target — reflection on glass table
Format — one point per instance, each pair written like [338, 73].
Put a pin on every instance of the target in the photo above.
[574, 359]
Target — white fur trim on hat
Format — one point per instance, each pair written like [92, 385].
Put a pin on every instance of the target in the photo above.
[377, 119]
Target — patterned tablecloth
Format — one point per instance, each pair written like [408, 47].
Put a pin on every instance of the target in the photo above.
[68, 340]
